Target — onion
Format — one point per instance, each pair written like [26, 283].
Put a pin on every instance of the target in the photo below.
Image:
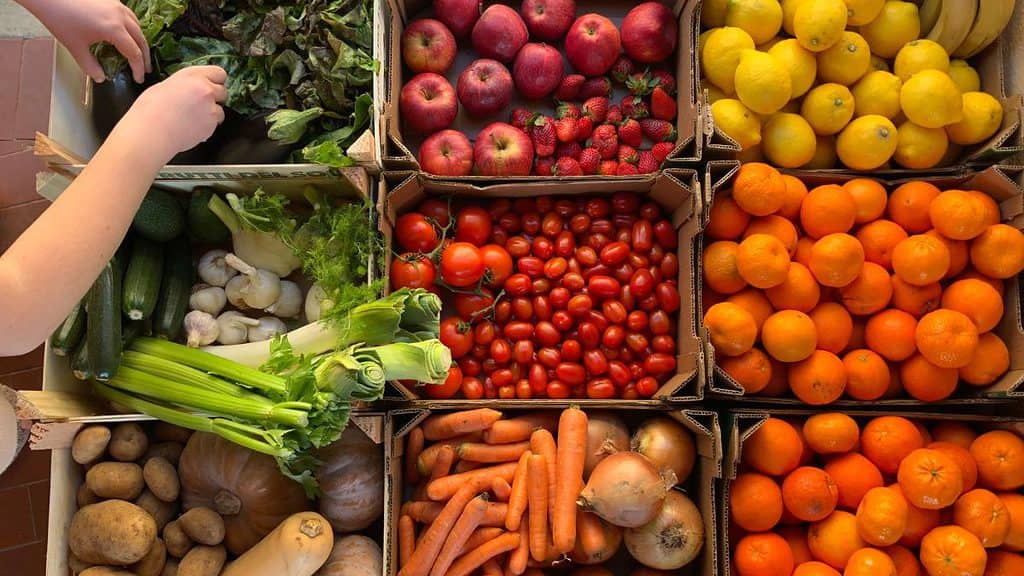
[626, 489]
[606, 434]
[672, 539]
[595, 550]
[668, 444]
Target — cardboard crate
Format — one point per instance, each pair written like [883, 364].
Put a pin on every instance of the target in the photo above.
[401, 147]
[701, 487]
[1001, 183]
[677, 191]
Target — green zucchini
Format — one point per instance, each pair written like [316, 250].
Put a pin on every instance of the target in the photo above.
[103, 326]
[203, 225]
[80, 361]
[67, 336]
[131, 330]
[172, 305]
[142, 279]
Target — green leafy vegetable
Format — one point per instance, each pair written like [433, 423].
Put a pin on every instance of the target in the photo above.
[155, 16]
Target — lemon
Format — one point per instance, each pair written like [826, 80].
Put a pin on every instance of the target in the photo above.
[824, 154]
[931, 99]
[983, 115]
[918, 147]
[714, 92]
[752, 154]
[712, 13]
[918, 55]
[788, 12]
[846, 61]
[799, 61]
[762, 19]
[867, 142]
[721, 55]
[860, 12]
[964, 75]
[766, 46]
[787, 140]
[877, 92]
[819, 24]
[878, 63]
[894, 26]
[737, 122]
[702, 39]
[762, 82]
[828, 108]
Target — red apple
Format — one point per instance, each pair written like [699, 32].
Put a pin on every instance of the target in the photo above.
[428, 103]
[447, 153]
[458, 15]
[592, 44]
[548, 19]
[428, 46]
[650, 32]
[537, 70]
[485, 87]
[503, 150]
[499, 33]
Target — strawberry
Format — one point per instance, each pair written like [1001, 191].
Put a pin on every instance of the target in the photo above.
[605, 140]
[630, 133]
[658, 130]
[628, 154]
[622, 69]
[626, 169]
[599, 86]
[633, 107]
[614, 115]
[569, 89]
[596, 108]
[542, 131]
[647, 164]
[665, 79]
[567, 110]
[608, 168]
[663, 106]
[566, 129]
[640, 84]
[520, 118]
[569, 149]
[567, 167]
[590, 160]
[584, 127]
[661, 150]
[545, 166]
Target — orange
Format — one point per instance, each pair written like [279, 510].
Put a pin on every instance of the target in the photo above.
[752, 370]
[755, 502]
[762, 261]
[947, 338]
[1000, 458]
[870, 198]
[990, 361]
[976, 299]
[726, 220]
[892, 334]
[809, 493]
[952, 551]
[827, 209]
[764, 554]
[925, 381]
[963, 458]
[905, 560]
[909, 206]
[774, 448]
[919, 523]
[867, 375]
[800, 291]
[857, 339]
[1014, 504]
[836, 259]
[1002, 563]
[869, 292]
[999, 251]
[870, 562]
[854, 475]
[958, 215]
[778, 384]
[834, 326]
[992, 212]
[915, 300]
[882, 516]
[895, 389]
[820, 379]
[887, 440]
[922, 429]
[806, 454]
[777, 226]
[731, 329]
[794, 197]
[958, 253]
[789, 336]
[831, 433]
[759, 189]
[720, 269]
[796, 537]
[954, 433]
[755, 302]
[814, 568]
[834, 539]
[879, 238]
[920, 259]
[996, 283]
[803, 250]
[983, 514]
[930, 479]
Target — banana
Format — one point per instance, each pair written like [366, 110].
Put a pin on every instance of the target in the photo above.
[954, 23]
[929, 15]
[992, 17]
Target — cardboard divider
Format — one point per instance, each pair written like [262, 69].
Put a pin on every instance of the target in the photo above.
[1002, 183]
[701, 486]
[676, 191]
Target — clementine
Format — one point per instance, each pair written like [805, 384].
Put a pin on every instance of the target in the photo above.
[814, 568]
[919, 522]
[869, 292]
[905, 560]
[1014, 504]
[887, 440]
[870, 562]
[831, 433]
[774, 448]
[854, 475]
[762, 261]
[955, 433]
[990, 361]
[759, 189]
[779, 227]
[789, 336]
[867, 375]
[958, 215]
[800, 291]
[983, 514]
[999, 251]
[796, 536]
[809, 493]
[721, 272]
[755, 502]
[909, 206]
[794, 197]
[926, 381]
[947, 338]
[882, 516]
[834, 326]
[764, 554]
[915, 300]
[958, 253]
[963, 458]
[820, 379]
[920, 260]
[1002, 563]
[978, 300]
[836, 259]
[952, 551]
[726, 220]
[870, 198]
[827, 209]
[879, 238]
[892, 334]
[834, 539]
[1000, 458]
[930, 479]
[752, 370]
[732, 329]
[803, 250]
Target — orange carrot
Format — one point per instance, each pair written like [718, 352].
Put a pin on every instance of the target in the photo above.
[517, 560]
[427, 512]
[433, 539]
[492, 453]
[406, 539]
[517, 500]
[479, 536]
[572, 448]
[466, 465]
[491, 568]
[443, 464]
[479, 479]
[475, 558]
[468, 521]
[519, 428]
[501, 489]
[425, 461]
[537, 494]
[543, 443]
[444, 426]
[413, 448]
[592, 536]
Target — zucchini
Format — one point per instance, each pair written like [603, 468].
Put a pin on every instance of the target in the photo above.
[103, 326]
[67, 336]
[160, 218]
[203, 225]
[172, 305]
[80, 361]
[142, 279]
[130, 331]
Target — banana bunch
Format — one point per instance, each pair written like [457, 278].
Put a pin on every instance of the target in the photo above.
[964, 27]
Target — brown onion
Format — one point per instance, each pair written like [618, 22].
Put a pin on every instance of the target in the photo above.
[626, 489]
[668, 444]
[672, 539]
[606, 434]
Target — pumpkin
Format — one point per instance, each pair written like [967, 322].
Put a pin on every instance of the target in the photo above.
[244, 487]
[351, 481]
[354, 555]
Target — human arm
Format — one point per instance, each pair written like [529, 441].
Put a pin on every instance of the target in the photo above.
[52, 265]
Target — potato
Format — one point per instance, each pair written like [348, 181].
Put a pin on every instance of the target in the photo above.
[90, 444]
[353, 555]
[153, 563]
[128, 442]
[165, 432]
[203, 525]
[162, 512]
[177, 542]
[84, 497]
[106, 571]
[122, 480]
[170, 568]
[111, 532]
[76, 565]
[203, 561]
[162, 479]
[170, 451]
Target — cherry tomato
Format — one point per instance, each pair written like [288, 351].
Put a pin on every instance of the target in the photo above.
[502, 311]
[650, 211]
[637, 261]
[598, 241]
[490, 391]
[501, 352]
[611, 353]
[636, 370]
[415, 233]
[579, 224]
[451, 385]
[543, 247]
[538, 379]
[636, 342]
[663, 343]
[613, 336]
[522, 308]
[589, 335]
[596, 270]
[541, 285]
[598, 208]
[557, 390]
[646, 386]
[619, 373]
[518, 246]
[522, 351]
[669, 266]
[457, 336]
[470, 307]
[629, 392]
[470, 366]
[502, 377]
[523, 389]
[565, 244]
[546, 334]
[485, 332]
[499, 236]
[659, 322]
[604, 287]
[642, 283]
[555, 267]
[623, 273]
[531, 223]
[518, 285]
[510, 221]
[559, 297]
[472, 388]
[614, 253]
[531, 266]
[565, 208]
[595, 362]
[497, 264]
[499, 207]
[562, 320]
[668, 297]
[656, 254]
[549, 357]
[659, 363]
[473, 225]
[573, 282]
[649, 303]
[625, 202]
[436, 210]
[571, 351]
[571, 373]
[541, 307]
[602, 226]
[518, 331]
[461, 264]
[544, 203]
[410, 270]
[627, 298]
[600, 388]
[666, 235]
[480, 352]
[551, 224]
[614, 311]
[580, 305]
[643, 236]
[507, 392]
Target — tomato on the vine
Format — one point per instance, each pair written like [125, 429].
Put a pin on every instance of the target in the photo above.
[461, 264]
[470, 306]
[411, 270]
[451, 385]
[436, 210]
[457, 336]
[497, 264]
[473, 225]
[472, 388]
[415, 233]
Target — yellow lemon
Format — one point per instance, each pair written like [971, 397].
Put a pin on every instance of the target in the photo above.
[703, 38]
[766, 46]
[966, 77]
[721, 56]
[918, 55]
[846, 61]
[828, 108]
[867, 142]
[983, 115]
[931, 99]
[752, 154]
[862, 11]
[824, 154]
[894, 26]
[919, 148]
[712, 13]
[878, 63]
[737, 122]
[714, 92]
[819, 24]
[762, 82]
[799, 61]
[787, 140]
[788, 13]
[877, 92]
[762, 19]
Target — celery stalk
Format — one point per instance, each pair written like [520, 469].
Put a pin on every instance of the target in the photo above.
[244, 375]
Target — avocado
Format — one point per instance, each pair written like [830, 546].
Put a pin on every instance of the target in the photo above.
[160, 218]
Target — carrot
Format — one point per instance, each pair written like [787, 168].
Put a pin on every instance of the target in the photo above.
[444, 426]
[491, 568]
[413, 448]
[433, 539]
[468, 521]
[537, 494]
[425, 461]
[517, 500]
[501, 489]
[475, 558]
[491, 453]
[518, 558]
[466, 465]
[591, 536]
[572, 448]
[427, 512]
[479, 479]
[406, 539]
[443, 464]
[543, 443]
[479, 536]
[508, 431]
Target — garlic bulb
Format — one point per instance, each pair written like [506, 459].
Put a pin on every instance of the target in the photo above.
[234, 327]
[201, 328]
[289, 302]
[261, 287]
[213, 269]
[266, 328]
[209, 299]
[233, 291]
[316, 303]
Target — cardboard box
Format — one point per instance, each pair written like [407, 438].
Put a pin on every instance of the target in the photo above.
[677, 191]
[1001, 183]
[701, 487]
[401, 147]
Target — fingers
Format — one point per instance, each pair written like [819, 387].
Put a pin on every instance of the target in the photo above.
[220, 93]
[90, 65]
[214, 74]
[219, 114]
[135, 31]
[131, 51]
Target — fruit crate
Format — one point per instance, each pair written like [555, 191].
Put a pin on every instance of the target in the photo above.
[1002, 183]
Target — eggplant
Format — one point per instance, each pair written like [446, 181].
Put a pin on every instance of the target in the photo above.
[243, 140]
[111, 99]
